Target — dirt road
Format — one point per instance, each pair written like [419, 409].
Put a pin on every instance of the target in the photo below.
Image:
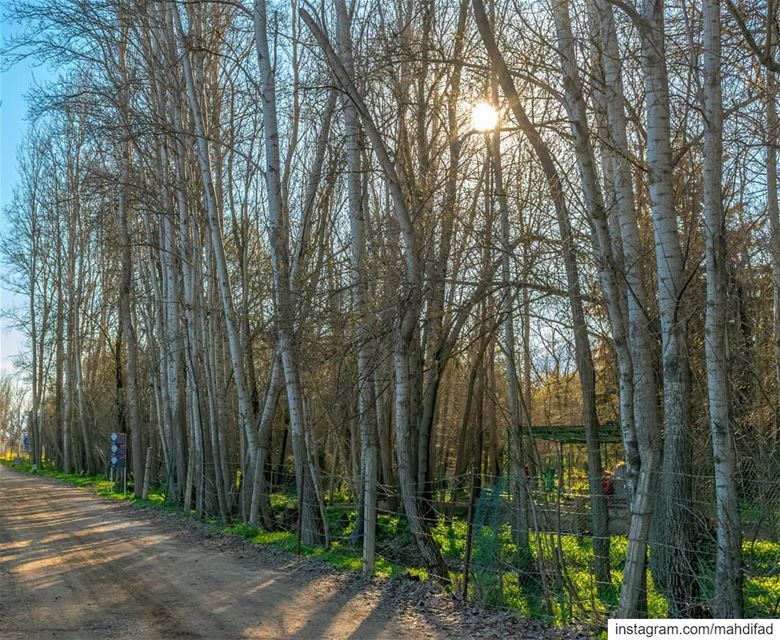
[73, 565]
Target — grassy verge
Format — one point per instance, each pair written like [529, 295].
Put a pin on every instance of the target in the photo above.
[339, 555]
[99, 484]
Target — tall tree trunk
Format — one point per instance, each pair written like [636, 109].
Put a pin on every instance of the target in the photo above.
[727, 601]
[59, 355]
[773, 214]
[594, 200]
[642, 447]
[128, 330]
[366, 402]
[126, 277]
[517, 454]
[36, 379]
[270, 402]
[673, 558]
[86, 438]
[312, 525]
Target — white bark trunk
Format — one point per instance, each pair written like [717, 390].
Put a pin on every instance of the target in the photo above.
[312, 525]
[673, 556]
[727, 601]
[366, 403]
[642, 447]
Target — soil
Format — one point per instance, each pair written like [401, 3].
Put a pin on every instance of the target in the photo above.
[75, 565]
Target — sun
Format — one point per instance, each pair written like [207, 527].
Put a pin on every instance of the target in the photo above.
[484, 117]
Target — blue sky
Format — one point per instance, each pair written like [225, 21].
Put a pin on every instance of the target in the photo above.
[14, 85]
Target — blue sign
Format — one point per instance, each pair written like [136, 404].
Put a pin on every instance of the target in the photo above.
[118, 447]
[26, 443]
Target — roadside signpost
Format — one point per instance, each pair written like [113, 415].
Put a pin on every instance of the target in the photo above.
[26, 443]
[118, 455]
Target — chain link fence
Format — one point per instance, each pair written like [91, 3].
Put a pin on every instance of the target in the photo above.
[473, 521]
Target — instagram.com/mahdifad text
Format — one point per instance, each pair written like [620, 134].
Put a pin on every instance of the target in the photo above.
[753, 629]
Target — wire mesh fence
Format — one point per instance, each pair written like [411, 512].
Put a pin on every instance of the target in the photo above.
[548, 570]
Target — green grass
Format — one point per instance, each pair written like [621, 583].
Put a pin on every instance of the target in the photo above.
[761, 559]
[100, 484]
[338, 555]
